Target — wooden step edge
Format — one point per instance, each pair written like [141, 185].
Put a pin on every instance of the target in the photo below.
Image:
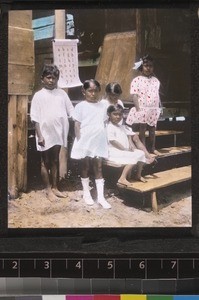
[160, 179]
[163, 132]
[173, 151]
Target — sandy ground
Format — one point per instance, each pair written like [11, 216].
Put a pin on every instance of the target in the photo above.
[34, 210]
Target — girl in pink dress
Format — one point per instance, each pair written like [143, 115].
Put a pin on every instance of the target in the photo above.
[146, 110]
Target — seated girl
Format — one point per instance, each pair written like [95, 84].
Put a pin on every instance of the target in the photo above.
[121, 149]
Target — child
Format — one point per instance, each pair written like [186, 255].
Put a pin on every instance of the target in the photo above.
[50, 109]
[145, 91]
[121, 149]
[113, 92]
[90, 144]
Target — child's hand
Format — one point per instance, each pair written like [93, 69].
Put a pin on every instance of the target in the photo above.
[41, 141]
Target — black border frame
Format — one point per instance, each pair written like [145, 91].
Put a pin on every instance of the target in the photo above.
[98, 234]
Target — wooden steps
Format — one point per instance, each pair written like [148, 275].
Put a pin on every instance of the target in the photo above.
[159, 180]
[173, 150]
[162, 133]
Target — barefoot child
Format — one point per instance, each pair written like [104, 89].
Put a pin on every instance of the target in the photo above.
[145, 92]
[50, 109]
[113, 94]
[90, 144]
[121, 150]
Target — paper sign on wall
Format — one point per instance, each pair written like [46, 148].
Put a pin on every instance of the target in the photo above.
[66, 59]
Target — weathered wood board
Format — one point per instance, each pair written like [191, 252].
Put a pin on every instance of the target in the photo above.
[20, 54]
[117, 60]
[20, 86]
[160, 180]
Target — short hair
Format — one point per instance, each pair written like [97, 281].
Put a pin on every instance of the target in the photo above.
[146, 58]
[50, 69]
[113, 88]
[87, 84]
[113, 108]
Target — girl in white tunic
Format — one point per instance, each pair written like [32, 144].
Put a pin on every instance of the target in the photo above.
[90, 144]
[50, 109]
[121, 150]
[113, 92]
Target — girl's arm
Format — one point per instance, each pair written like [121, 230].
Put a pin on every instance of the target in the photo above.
[77, 130]
[117, 145]
[135, 101]
[132, 146]
[41, 141]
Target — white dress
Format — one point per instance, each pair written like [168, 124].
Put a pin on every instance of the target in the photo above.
[51, 109]
[93, 138]
[107, 103]
[119, 133]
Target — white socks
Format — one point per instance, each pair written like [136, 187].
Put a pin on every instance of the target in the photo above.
[100, 193]
[86, 191]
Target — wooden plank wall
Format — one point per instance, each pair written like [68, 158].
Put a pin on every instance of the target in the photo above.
[20, 87]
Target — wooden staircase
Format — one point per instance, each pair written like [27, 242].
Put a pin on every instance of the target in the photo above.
[173, 167]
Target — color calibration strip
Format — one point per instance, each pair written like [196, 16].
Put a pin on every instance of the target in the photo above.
[104, 297]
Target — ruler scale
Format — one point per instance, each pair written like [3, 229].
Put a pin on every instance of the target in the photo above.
[109, 267]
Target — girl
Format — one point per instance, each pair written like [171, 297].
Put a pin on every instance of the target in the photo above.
[50, 109]
[121, 149]
[90, 144]
[113, 92]
[145, 91]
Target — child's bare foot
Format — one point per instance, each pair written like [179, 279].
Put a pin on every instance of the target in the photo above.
[51, 196]
[155, 152]
[124, 182]
[150, 159]
[142, 179]
[59, 194]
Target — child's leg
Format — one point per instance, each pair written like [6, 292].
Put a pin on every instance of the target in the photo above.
[55, 170]
[142, 130]
[123, 178]
[152, 140]
[85, 163]
[99, 181]
[45, 174]
[138, 176]
[139, 145]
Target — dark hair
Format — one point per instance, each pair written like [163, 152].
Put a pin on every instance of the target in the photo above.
[113, 88]
[50, 69]
[146, 58]
[87, 84]
[115, 107]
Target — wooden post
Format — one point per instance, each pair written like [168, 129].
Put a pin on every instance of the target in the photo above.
[60, 21]
[154, 203]
[20, 86]
[140, 37]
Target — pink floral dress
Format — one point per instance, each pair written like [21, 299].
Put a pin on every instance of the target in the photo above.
[147, 90]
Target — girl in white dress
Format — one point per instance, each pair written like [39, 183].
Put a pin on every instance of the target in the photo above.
[120, 149]
[113, 92]
[146, 111]
[50, 110]
[90, 144]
